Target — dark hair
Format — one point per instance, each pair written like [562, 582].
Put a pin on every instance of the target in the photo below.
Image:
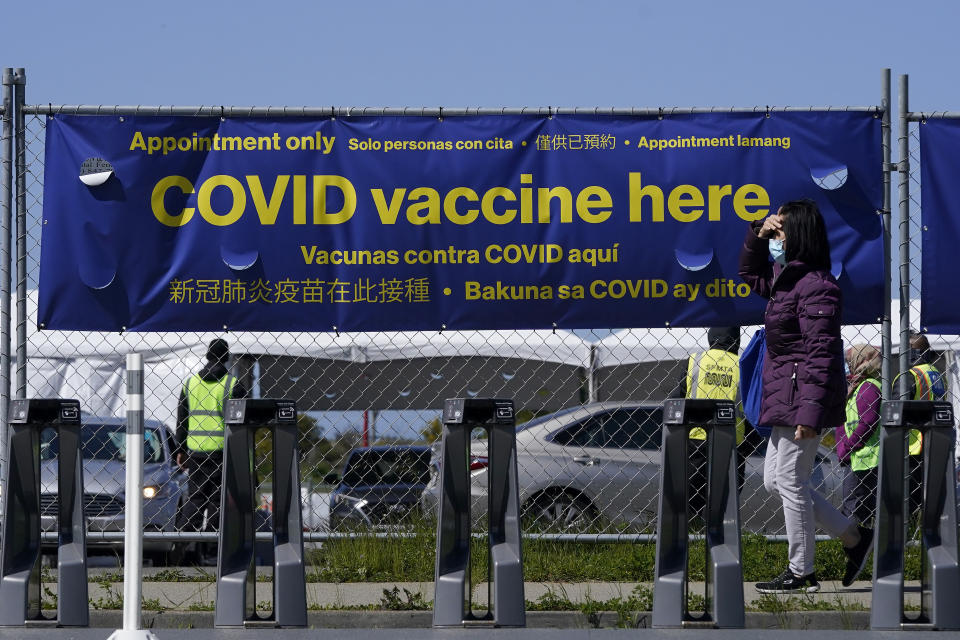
[806, 234]
[919, 341]
[724, 338]
[218, 351]
[919, 349]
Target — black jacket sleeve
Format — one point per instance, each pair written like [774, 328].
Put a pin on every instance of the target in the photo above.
[180, 435]
[680, 391]
[239, 391]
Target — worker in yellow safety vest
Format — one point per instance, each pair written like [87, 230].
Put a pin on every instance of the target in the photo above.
[925, 383]
[858, 439]
[199, 437]
[713, 374]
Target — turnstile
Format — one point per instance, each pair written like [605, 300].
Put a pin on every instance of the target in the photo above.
[20, 587]
[940, 572]
[724, 572]
[452, 600]
[236, 571]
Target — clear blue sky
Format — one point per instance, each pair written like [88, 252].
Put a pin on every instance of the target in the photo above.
[492, 53]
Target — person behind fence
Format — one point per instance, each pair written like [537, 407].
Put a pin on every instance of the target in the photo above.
[200, 434]
[925, 382]
[714, 374]
[786, 259]
[858, 439]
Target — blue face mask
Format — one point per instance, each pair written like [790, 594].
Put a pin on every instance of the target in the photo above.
[776, 250]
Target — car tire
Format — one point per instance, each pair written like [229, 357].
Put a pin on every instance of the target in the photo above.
[558, 511]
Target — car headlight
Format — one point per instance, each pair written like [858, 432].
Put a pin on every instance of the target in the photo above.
[355, 503]
[151, 491]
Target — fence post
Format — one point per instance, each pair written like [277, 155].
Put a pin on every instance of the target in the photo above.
[886, 340]
[20, 78]
[6, 218]
[903, 167]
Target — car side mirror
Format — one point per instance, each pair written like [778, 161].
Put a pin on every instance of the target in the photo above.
[331, 478]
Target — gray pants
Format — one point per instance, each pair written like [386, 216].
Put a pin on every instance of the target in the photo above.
[786, 472]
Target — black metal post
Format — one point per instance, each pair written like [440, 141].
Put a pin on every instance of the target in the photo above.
[20, 553]
[236, 571]
[451, 604]
[724, 573]
[940, 579]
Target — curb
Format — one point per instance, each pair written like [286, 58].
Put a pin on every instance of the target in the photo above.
[800, 620]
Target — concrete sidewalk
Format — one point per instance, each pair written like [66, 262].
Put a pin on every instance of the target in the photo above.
[197, 591]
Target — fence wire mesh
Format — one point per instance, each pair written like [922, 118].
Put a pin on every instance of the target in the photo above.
[939, 351]
[589, 404]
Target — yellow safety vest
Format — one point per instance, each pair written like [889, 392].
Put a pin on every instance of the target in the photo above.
[928, 384]
[867, 456]
[715, 374]
[205, 402]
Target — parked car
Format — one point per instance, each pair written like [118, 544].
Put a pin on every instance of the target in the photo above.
[103, 449]
[598, 463]
[380, 486]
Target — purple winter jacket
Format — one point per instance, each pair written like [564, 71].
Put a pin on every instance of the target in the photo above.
[803, 377]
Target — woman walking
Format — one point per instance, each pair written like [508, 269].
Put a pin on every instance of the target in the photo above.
[804, 388]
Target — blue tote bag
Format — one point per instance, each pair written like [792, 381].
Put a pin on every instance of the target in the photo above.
[751, 380]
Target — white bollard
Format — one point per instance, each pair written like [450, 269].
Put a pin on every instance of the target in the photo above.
[133, 523]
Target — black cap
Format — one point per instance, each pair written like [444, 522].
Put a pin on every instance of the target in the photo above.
[726, 338]
[218, 351]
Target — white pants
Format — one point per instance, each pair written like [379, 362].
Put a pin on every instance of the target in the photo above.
[786, 473]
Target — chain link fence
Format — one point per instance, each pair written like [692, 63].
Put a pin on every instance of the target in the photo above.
[589, 403]
[923, 347]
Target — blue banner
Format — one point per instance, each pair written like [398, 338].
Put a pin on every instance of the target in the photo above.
[940, 219]
[407, 223]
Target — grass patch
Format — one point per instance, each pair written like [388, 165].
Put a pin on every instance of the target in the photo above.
[169, 575]
[411, 559]
[777, 604]
[394, 600]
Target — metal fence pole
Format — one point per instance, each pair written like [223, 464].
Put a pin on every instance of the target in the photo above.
[904, 169]
[21, 169]
[6, 218]
[133, 523]
[886, 329]
[134, 501]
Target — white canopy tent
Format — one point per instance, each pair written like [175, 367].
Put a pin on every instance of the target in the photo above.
[90, 365]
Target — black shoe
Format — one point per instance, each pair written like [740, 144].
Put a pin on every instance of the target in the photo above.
[786, 582]
[857, 556]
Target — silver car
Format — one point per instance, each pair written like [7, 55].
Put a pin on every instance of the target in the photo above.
[103, 449]
[597, 467]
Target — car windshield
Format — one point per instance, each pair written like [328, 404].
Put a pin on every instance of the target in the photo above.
[103, 442]
[388, 466]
